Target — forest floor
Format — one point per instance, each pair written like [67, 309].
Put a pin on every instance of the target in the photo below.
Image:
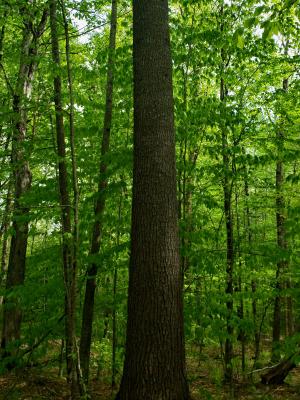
[206, 374]
[205, 379]
[35, 385]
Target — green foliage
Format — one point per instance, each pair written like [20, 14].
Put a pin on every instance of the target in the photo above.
[251, 47]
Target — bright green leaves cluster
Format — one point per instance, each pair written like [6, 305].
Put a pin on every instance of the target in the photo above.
[243, 46]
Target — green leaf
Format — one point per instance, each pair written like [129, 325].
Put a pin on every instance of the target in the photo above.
[240, 42]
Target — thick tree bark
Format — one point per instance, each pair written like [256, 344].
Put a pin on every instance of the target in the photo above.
[154, 365]
[22, 177]
[89, 299]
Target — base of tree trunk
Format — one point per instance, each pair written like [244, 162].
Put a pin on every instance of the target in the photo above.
[277, 374]
[119, 396]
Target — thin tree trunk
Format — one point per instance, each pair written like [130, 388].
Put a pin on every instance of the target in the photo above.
[282, 264]
[185, 182]
[114, 313]
[114, 330]
[72, 144]
[289, 319]
[81, 385]
[154, 366]
[89, 299]
[253, 281]
[230, 249]
[4, 230]
[61, 359]
[227, 191]
[67, 236]
[240, 308]
[255, 321]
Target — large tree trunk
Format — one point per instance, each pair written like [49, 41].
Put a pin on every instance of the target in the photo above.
[89, 299]
[22, 177]
[154, 365]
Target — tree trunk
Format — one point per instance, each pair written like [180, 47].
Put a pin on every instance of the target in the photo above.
[289, 316]
[277, 374]
[154, 366]
[67, 237]
[89, 299]
[282, 264]
[239, 287]
[289, 319]
[114, 312]
[253, 281]
[4, 230]
[255, 322]
[227, 189]
[22, 177]
[114, 331]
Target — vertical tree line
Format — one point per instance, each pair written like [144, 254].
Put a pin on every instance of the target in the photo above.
[20, 96]
[154, 362]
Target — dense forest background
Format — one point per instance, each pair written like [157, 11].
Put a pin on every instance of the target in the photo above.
[66, 166]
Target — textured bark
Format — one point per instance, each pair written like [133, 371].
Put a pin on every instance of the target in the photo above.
[22, 177]
[66, 227]
[154, 367]
[89, 299]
